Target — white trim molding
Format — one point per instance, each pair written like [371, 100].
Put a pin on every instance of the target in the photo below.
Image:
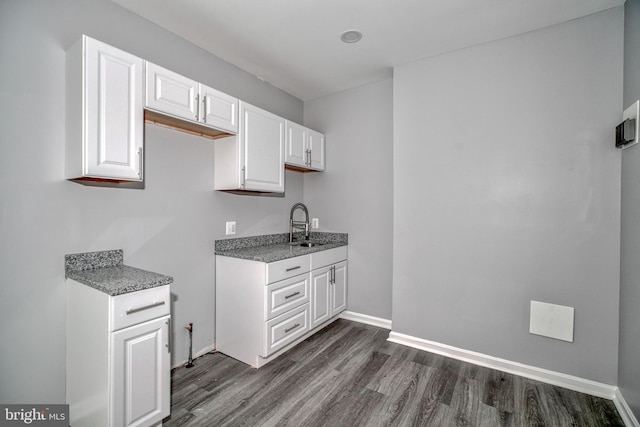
[365, 318]
[556, 378]
[624, 410]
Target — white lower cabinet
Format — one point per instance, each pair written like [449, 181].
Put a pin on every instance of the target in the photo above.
[118, 356]
[263, 309]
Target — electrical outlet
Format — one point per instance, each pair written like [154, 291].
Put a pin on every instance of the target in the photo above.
[231, 227]
[315, 223]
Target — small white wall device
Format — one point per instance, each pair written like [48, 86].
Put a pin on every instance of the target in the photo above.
[627, 131]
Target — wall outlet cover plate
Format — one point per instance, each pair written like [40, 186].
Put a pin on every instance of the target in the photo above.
[231, 227]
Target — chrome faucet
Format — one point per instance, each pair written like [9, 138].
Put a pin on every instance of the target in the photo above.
[302, 225]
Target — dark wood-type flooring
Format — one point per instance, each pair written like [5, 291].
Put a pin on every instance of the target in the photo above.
[349, 375]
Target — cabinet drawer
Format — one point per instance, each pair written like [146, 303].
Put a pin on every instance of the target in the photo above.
[140, 306]
[328, 257]
[285, 329]
[287, 294]
[280, 270]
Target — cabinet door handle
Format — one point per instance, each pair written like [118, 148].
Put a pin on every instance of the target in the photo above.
[204, 109]
[291, 295]
[198, 107]
[140, 162]
[286, 331]
[333, 274]
[243, 176]
[308, 157]
[146, 307]
[169, 343]
[292, 268]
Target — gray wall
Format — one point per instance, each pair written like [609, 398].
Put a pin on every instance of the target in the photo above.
[170, 227]
[629, 368]
[507, 189]
[354, 194]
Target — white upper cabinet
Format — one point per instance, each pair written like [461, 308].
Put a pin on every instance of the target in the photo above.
[304, 148]
[170, 93]
[105, 118]
[252, 160]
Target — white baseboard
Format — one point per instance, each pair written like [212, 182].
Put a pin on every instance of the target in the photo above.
[556, 378]
[365, 318]
[624, 410]
[195, 356]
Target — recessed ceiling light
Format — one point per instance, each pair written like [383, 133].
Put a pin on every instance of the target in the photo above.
[351, 36]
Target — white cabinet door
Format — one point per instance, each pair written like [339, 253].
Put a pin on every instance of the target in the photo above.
[320, 296]
[339, 288]
[316, 150]
[218, 109]
[253, 160]
[296, 151]
[105, 121]
[170, 93]
[262, 136]
[140, 382]
[328, 292]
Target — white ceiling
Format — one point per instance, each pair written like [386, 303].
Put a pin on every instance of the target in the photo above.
[295, 44]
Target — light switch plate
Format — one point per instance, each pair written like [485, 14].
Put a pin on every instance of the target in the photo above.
[315, 223]
[633, 112]
[551, 320]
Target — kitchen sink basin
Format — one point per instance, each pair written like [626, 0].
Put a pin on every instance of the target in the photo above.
[310, 244]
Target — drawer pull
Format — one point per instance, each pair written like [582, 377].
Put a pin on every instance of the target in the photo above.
[146, 307]
[286, 331]
[292, 268]
[291, 295]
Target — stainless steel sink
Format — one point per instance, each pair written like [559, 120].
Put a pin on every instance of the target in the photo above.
[310, 244]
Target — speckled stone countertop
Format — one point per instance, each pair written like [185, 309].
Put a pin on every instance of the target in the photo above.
[106, 272]
[276, 247]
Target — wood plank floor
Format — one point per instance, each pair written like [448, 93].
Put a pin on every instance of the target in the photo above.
[349, 375]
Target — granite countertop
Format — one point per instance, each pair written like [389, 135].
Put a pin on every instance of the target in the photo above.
[276, 247]
[106, 272]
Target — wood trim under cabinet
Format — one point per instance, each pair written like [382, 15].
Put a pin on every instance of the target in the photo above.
[182, 125]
